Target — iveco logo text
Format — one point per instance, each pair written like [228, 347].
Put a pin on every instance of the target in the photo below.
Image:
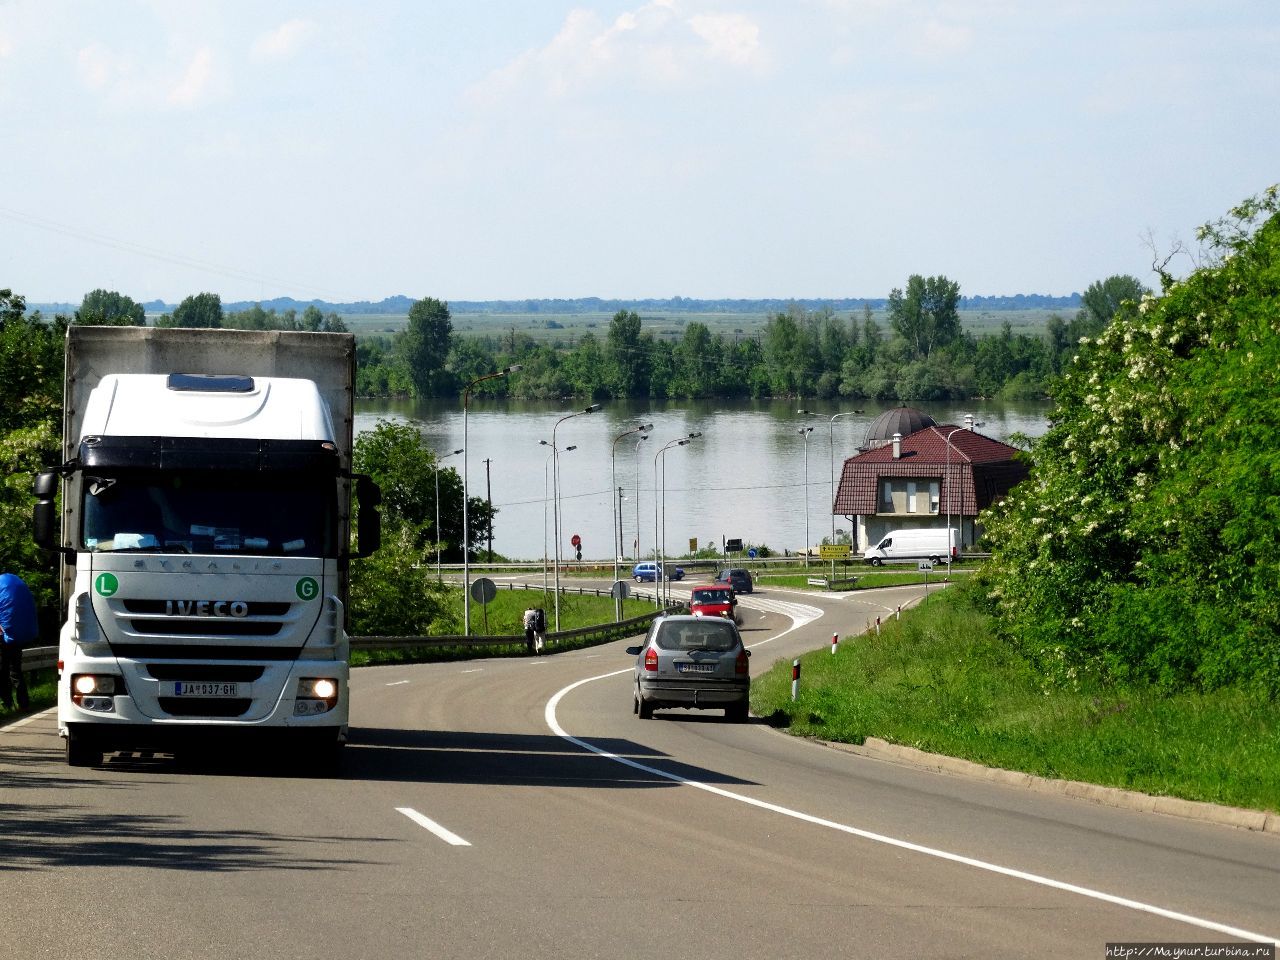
[206, 608]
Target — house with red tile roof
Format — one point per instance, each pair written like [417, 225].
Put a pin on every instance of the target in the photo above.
[938, 475]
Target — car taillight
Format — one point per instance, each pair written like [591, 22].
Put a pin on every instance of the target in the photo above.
[651, 659]
[741, 666]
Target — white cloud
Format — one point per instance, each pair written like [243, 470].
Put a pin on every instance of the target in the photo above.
[196, 81]
[731, 37]
[655, 45]
[284, 41]
[97, 67]
[939, 39]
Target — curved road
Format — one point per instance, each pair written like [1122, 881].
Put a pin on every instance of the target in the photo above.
[517, 808]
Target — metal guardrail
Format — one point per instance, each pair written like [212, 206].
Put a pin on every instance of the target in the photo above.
[39, 658]
[46, 658]
[601, 633]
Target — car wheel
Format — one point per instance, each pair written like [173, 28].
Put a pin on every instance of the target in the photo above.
[738, 712]
[875, 561]
[644, 709]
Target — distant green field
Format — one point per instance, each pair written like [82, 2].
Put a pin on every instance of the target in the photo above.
[571, 326]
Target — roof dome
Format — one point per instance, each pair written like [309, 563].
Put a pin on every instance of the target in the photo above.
[903, 420]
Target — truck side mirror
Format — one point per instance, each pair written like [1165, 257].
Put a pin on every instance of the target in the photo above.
[369, 524]
[46, 531]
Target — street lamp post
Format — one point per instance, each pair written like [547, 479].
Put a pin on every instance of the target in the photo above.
[642, 429]
[545, 497]
[804, 432]
[831, 446]
[950, 545]
[555, 484]
[437, 473]
[660, 532]
[466, 520]
[639, 440]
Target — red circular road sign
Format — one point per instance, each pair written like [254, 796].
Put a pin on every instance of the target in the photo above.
[575, 540]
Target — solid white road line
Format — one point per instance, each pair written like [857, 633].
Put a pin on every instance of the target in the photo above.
[19, 724]
[397, 683]
[550, 717]
[448, 836]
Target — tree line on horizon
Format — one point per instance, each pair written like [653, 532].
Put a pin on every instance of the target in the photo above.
[922, 355]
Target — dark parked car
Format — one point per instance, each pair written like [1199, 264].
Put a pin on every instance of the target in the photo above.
[688, 661]
[739, 579]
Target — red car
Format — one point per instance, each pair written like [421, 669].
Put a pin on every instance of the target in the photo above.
[714, 600]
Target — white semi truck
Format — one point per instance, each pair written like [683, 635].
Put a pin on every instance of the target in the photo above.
[205, 541]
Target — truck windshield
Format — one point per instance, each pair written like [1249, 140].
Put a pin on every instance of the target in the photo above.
[271, 514]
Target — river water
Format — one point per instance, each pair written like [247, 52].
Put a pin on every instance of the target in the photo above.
[745, 477]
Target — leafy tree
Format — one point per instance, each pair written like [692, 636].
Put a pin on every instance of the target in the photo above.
[394, 592]
[31, 353]
[926, 316]
[1102, 300]
[1143, 545]
[627, 356]
[201, 310]
[108, 308]
[398, 459]
[424, 346]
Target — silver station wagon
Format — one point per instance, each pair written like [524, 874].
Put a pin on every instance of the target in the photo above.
[697, 662]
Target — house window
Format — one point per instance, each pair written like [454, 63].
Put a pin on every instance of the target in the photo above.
[886, 496]
[933, 496]
[911, 496]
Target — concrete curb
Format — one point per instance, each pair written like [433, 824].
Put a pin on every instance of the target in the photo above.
[1263, 821]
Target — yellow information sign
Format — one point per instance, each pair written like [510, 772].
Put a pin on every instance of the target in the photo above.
[693, 544]
[834, 551]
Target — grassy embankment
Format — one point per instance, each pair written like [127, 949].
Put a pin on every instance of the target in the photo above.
[505, 617]
[938, 681]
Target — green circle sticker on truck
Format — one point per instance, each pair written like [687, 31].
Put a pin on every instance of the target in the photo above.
[307, 588]
[106, 584]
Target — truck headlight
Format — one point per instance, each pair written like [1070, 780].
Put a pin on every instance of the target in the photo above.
[96, 691]
[315, 695]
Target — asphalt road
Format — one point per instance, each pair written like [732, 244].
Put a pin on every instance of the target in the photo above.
[517, 808]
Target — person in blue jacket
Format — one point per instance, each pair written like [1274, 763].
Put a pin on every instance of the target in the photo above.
[18, 629]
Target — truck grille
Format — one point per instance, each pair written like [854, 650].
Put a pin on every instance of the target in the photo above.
[204, 707]
[205, 672]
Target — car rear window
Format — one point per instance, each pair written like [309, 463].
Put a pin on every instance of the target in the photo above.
[715, 635]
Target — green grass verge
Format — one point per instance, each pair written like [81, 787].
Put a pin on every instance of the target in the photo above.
[869, 578]
[505, 617]
[940, 682]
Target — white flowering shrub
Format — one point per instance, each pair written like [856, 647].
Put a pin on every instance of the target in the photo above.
[1145, 543]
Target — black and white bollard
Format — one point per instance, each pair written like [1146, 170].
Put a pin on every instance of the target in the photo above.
[795, 679]
[877, 626]
[899, 611]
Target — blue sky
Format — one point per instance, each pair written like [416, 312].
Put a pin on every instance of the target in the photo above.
[491, 149]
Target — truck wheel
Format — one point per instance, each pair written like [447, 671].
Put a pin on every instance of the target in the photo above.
[935, 560]
[875, 561]
[80, 751]
[319, 754]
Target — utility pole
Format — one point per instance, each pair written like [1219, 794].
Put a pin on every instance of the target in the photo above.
[488, 498]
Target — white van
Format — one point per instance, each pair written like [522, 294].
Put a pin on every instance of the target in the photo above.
[927, 544]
